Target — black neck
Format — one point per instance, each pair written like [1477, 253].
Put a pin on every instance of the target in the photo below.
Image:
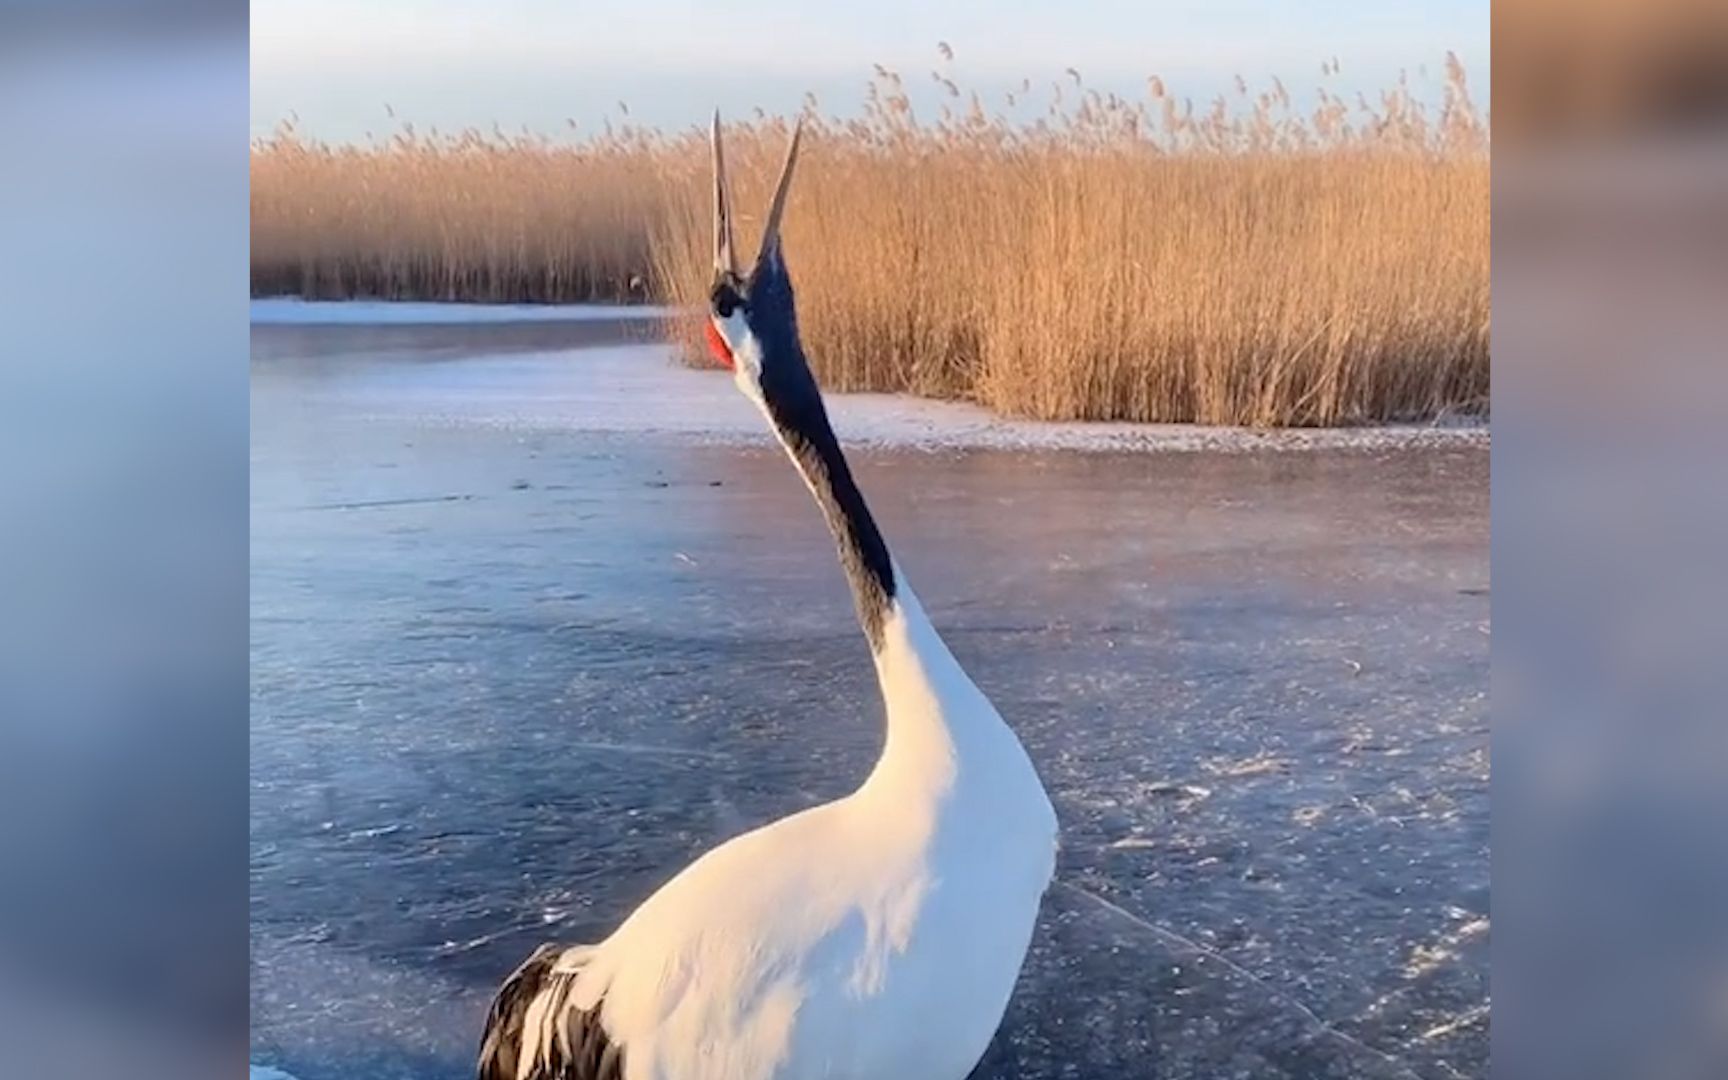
[796, 409]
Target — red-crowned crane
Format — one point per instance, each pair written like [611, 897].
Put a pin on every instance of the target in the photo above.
[876, 937]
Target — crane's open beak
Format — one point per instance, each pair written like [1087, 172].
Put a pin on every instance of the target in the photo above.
[725, 253]
[725, 256]
[771, 228]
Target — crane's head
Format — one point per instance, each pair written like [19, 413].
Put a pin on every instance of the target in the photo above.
[750, 315]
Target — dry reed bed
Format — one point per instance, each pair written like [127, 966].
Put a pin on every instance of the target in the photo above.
[1251, 264]
[491, 218]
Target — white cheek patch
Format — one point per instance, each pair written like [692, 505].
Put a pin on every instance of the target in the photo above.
[746, 354]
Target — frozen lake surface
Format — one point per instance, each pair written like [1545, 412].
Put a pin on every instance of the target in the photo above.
[538, 617]
[292, 310]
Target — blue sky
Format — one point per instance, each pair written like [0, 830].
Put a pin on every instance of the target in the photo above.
[538, 62]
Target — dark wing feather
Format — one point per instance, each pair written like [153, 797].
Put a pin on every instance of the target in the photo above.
[573, 1045]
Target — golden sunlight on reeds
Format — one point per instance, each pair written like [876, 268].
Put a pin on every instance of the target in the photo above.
[1251, 262]
[493, 218]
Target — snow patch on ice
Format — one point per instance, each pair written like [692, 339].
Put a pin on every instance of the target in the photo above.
[265, 1072]
[292, 310]
[643, 390]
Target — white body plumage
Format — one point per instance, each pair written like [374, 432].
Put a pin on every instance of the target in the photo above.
[876, 936]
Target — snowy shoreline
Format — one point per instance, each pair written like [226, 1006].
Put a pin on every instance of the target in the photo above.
[296, 311]
[641, 389]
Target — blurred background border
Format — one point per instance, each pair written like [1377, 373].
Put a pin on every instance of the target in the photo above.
[1611, 738]
[123, 539]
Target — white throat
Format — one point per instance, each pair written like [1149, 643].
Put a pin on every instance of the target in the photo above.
[746, 352]
[944, 736]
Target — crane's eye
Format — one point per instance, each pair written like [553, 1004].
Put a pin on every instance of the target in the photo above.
[726, 300]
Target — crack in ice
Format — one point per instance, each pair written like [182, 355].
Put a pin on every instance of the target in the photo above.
[1314, 1018]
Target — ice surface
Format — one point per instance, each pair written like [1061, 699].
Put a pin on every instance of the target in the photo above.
[641, 389]
[635, 386]
[532, 629]
[292, 310]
